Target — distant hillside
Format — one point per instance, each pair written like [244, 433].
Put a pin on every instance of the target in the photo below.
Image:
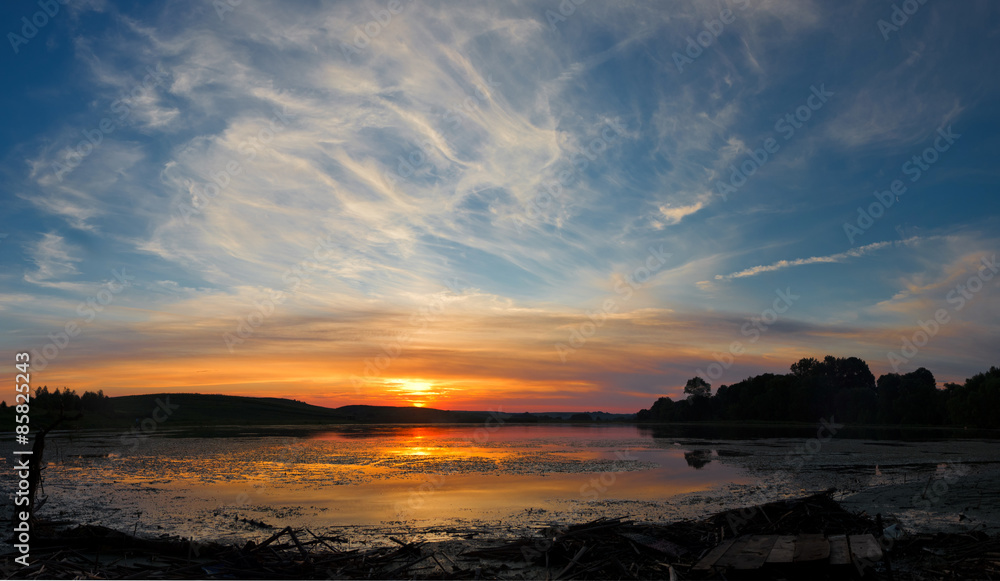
[193, 409]
[211, 409]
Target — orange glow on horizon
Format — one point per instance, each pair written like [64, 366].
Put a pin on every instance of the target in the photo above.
[505, 373]
[416, 392]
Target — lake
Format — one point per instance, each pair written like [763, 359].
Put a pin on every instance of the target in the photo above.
[234, 483]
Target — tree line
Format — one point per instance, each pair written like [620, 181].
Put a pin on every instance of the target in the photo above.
[843, 387]
[67, 400]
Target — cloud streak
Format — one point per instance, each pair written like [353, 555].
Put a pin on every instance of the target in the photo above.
[839, 257]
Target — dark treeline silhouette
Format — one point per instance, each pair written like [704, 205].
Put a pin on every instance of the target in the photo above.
[67, 400]
[843, 387]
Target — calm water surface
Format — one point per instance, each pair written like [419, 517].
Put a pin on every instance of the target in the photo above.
[370, 475]
[231, 483]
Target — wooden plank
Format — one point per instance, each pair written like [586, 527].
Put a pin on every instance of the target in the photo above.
[783, 551]
[811, 548]
[865, 548]
[840, 554]
[732, 555]
[755, 552]
[708, 561]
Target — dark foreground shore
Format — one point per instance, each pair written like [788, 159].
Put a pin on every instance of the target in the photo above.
[812, 537]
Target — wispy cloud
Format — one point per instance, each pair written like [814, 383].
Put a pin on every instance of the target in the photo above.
[53, 258]
[839, 257]
[415, 158]
[674, 214]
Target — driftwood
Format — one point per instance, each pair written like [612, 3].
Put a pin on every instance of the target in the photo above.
[35, 460]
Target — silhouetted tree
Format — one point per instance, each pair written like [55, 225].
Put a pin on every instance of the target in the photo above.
[66, 400]
[805, 367]
[977, 402]
[662, 411]
[697, 387]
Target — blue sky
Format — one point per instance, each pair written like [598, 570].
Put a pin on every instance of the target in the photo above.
[410, 168]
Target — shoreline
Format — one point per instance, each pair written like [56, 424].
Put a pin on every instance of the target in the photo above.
[618, 547]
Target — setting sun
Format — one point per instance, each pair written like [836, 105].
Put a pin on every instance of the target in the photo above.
[417, 393]
[416, 387]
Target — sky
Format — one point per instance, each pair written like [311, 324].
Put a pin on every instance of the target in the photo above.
[562, 206]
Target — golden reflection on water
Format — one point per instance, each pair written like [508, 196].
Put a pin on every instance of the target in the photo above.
[371, 474]
[461, 471]
[417, 451]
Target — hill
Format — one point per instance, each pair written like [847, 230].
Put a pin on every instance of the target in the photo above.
[215, 409]
[205, 410]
